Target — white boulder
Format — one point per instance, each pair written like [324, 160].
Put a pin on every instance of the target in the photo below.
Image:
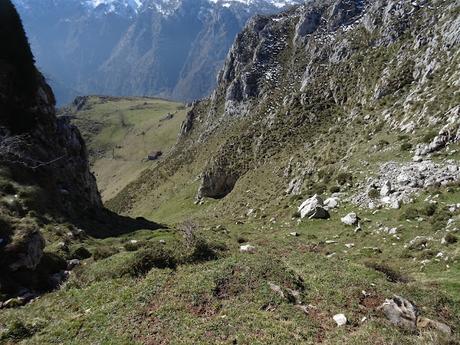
[350, 219]
[313, 208]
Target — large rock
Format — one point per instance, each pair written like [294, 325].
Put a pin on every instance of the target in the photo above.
[401, 312]
[26, 252]
[405, 314]
[313, 208]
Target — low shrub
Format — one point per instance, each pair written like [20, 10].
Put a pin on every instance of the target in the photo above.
[79, 253]
[105, 252]
[406, 147]
[428, 137]
[410, 213]
[343, 178]
[202, 251]
[440, 218]
[373, 193]
[451, 238]
[146, 259]
[134, 246]
[334, 189]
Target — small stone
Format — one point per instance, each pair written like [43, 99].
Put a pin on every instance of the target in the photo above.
[294, 234]
[340, 319]
[71, 264]
[247, 248]
[349, 245]
[162, 241]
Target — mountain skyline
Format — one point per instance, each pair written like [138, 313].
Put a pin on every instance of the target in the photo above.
[167, 48]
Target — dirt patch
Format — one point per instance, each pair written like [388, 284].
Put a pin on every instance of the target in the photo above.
[371, 301]
[204, 307]
[391, 274]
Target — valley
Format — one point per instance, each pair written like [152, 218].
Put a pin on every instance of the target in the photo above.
[121, 133]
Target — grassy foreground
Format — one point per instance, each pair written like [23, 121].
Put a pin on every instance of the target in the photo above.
[225, 297]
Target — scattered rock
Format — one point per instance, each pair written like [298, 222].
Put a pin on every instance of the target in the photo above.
[425, 323]
[313, 208]
[350, 219]
[71, 264]
[331, 203]
[340, 319]
[247, 248]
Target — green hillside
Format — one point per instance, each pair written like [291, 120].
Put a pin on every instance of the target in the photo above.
[120, 134]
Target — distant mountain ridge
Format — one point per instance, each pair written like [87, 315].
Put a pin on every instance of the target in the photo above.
[168, 48]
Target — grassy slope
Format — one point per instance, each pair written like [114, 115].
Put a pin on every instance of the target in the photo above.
[121, 132]
[228, 300]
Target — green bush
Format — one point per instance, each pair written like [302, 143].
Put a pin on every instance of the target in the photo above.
[79, 253]
[410, 213]
[428, 210]
[406, 147]
[451, 238]
[440, 218]
[343, 178]
[334, 189]
[428, 137]
[373, 193]
[134, 246]
[202, 251]
[105, 252]
[146, 259]
[17, 331]
[296, 214]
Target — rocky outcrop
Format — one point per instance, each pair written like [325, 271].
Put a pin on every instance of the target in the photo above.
[43, 158]
[290, 72]
[398, 183]
[216, 183]
[405, 314]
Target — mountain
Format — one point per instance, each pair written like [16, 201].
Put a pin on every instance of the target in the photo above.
[165, 48]
[312, 198]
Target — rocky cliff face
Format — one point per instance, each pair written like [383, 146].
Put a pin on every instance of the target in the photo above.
[328, 66]
[43, 160]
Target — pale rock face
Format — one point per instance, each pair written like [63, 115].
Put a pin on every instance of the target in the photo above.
[386, 189]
